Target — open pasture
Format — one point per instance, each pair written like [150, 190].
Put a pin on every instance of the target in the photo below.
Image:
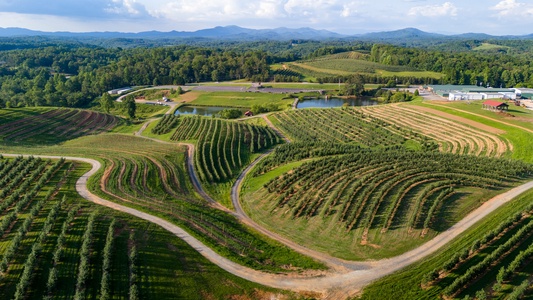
[375, 203]
[240, 99]
[50, 126]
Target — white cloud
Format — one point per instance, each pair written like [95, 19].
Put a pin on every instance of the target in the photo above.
[126, 7]
[509, 8]
[270, 9]
[350, 9]
[446, 9]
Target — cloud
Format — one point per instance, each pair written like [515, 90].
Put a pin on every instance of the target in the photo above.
[81, 9]
[126, 7]
[230, 10]
[350, 9]
[512, 8]
[446, 9]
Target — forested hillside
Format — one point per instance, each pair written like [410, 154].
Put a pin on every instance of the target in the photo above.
[73, 75]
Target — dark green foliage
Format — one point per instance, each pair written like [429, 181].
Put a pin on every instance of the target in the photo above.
[106, 102]
[223, 147]
[129, 107]
[339, 126]
[230, 113]
[166, 124]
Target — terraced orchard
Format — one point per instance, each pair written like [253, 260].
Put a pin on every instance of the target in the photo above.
[497, 265]
[223, 147]
[377, 203]
[346, 125]
[452, 136]
[54, 245]
[52, 125]
[152, 176]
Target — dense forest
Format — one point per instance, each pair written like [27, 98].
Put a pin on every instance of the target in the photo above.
[38, 71]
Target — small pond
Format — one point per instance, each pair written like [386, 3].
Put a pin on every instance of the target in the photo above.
[201, 110]
[334, 102]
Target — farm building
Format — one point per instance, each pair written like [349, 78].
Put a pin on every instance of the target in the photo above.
[464, 96]
[119, 91]
[248, 113]
[471, 92]
[495, 105]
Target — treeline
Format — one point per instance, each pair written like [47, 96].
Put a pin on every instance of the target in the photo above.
[73, 77]
[463, 68]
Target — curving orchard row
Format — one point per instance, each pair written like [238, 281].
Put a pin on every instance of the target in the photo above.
[451, 136]
[166, 124]
[507, 249]
[386, 189]
[223, 147]
[346, 125]
[56, 124]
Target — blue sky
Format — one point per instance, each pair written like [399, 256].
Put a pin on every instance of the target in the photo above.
[499, 17]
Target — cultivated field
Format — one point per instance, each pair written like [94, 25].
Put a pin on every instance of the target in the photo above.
[454, 135]
[55, 246]
[223, 148]
[49, 126]
[345, 125]
[348, 63]
[371, 203]
[153, 177]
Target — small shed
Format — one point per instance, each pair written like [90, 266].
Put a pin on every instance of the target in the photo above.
[495, 105]
[248, 113]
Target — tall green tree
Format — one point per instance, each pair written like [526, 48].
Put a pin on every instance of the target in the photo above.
[129, 106]
[106, 102]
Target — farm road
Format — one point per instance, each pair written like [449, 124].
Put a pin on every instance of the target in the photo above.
[335, 285]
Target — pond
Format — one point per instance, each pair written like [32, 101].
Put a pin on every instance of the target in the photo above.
[334, 102]
[201, 110]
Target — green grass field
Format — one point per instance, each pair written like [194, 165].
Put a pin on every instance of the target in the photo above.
[239, 99]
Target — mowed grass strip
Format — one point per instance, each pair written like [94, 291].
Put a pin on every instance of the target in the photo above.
[239, 99]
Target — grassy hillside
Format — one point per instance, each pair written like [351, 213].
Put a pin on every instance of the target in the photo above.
[344, 64]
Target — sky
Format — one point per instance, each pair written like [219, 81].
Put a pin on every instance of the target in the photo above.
[497, 17]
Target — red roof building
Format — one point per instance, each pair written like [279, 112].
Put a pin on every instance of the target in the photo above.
[495, 105]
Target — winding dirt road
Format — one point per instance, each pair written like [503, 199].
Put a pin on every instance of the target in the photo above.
[336, 285]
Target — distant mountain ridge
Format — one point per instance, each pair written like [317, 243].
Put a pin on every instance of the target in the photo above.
[239, 33]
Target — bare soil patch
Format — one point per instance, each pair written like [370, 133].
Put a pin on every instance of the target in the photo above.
[189, 96]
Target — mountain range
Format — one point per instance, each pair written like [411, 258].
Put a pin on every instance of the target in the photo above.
[240, 33]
